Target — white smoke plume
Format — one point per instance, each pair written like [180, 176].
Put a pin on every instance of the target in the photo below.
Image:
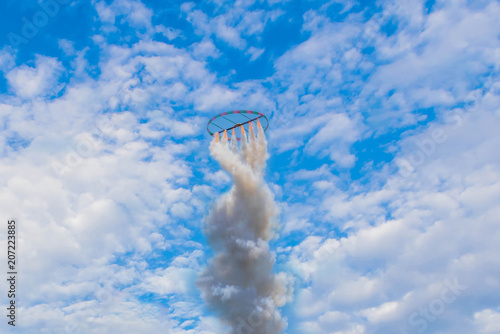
[239, 283]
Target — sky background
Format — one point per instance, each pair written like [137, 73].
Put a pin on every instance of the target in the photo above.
[384, 159]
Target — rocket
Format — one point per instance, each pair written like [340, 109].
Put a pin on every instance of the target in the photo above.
[242, 131]
[216, 137]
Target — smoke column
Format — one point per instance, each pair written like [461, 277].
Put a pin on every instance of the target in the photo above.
[239, 283]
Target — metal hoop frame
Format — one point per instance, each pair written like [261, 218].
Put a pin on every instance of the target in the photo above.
[248, 112]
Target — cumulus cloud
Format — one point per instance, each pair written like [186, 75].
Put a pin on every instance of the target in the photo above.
[336, 136]
[40, 80]
[393, 268]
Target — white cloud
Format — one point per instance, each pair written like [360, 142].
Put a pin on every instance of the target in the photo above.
[170, 280]
[254, 53]
[114, 195]
[206, 48]
[453, 48]
[227, 33]
[7, 60]
[215, 97]
[137, 14]
[169, 32]
[488, 321]
[41, 80]
[234, 26]
[335, 137]
[392, 267]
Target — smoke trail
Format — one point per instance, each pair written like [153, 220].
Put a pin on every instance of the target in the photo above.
[239, 283]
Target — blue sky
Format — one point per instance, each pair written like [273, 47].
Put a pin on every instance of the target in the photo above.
[383, 143]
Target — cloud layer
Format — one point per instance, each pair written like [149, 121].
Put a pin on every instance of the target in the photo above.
[383, 148]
